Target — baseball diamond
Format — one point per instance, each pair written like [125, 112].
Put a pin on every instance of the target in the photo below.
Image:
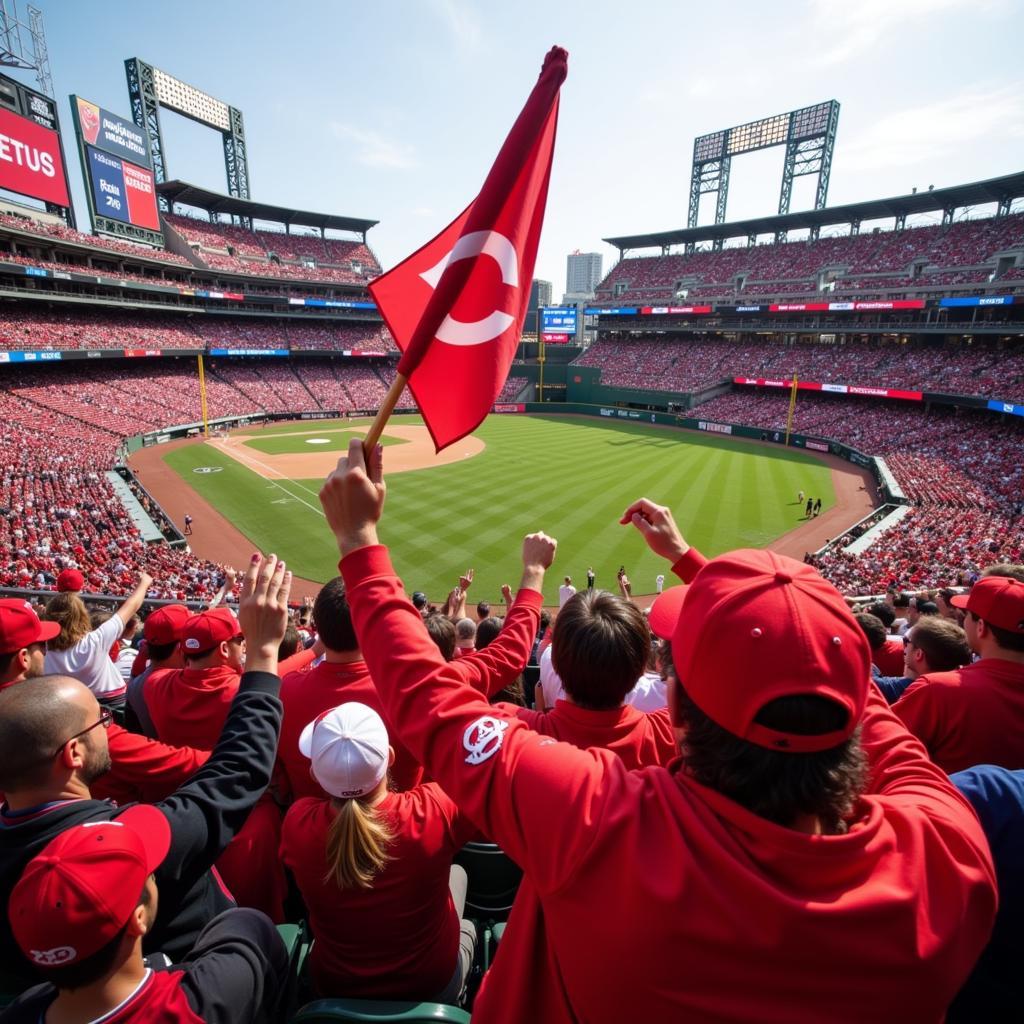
[571, 476]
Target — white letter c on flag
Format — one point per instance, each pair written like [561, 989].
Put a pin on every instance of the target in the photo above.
[477, 243]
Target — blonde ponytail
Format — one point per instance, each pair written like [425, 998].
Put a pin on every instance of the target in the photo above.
[356, 845]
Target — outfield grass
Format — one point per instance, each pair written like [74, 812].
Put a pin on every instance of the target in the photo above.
[570, 477]
[299, 444]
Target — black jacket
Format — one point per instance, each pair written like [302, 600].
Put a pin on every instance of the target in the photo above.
[204, 814]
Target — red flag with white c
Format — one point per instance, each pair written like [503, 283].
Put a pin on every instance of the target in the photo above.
[456, 306]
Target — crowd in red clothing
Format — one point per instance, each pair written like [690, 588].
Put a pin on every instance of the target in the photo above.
[981, 367]
[61, 428]
[961, 470]
[965, 249]
[30, 329]
[825, 819]
[511, 389]
[276, 254]
[66, 234]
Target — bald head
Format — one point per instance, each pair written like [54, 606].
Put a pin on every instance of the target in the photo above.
[36, 716]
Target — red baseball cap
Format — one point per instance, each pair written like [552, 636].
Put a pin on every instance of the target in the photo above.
[757, 626]
[70, 580]
[663, 615]
[999, 600]
[79, 892]
[202, 632]
[166, 625]
[20, 626]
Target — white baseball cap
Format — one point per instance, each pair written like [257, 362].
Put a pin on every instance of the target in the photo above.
[348, 748]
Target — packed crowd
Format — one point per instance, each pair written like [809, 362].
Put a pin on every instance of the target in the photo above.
[146, 396]
[229, 247]
[78, 328]
[804, 784]
[980, 367]
[966, 248]
[61, 428]
[65, 234]
[961, 470]
[511, 389]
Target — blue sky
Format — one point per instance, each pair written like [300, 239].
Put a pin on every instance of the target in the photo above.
[395, 110]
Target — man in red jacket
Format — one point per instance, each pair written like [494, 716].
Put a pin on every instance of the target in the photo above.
[975, 714]
[600, 648]
[188, 705]
[761, 846]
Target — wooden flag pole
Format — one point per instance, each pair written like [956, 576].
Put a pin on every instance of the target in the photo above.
[387, 407]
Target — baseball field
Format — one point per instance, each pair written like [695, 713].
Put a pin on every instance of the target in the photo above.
[571, 477]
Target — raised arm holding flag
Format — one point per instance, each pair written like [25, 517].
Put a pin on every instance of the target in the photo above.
[456, 315]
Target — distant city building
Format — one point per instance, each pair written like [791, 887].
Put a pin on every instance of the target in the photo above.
[582, 273]
[540, 295]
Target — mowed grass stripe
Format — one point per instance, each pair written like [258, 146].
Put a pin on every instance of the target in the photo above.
[571, 478]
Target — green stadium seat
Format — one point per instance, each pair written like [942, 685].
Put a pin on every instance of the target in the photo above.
[294, 938]
[329, 1011]
[493, 880]
[492, 939]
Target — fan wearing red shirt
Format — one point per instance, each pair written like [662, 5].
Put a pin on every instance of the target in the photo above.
[343, 677]
[803, 833]
[375, 869]
[975, 714]
[162, 634]
[90, 949]
[599, 650]
[188, 706]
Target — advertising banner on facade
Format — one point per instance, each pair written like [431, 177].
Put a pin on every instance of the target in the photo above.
[30, 160]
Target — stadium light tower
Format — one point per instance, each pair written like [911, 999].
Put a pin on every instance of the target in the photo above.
[149, 89]
[809, 135]
[24, 54]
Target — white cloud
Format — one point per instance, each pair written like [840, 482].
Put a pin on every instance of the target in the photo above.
[851, 29]
[927, 133]
[374, 149]
[462, 20]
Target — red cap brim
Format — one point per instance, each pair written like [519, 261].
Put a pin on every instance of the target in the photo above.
[664, 613]
[150, 825]
[48, 630]
[960, 600]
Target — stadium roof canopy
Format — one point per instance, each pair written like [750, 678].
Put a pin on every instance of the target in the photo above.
[217, 202]
[994, 190]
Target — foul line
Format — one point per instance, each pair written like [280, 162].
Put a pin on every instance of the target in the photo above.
[231, 453]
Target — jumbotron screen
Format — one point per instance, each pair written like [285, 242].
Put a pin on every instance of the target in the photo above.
[558, 324]
[116, 161]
